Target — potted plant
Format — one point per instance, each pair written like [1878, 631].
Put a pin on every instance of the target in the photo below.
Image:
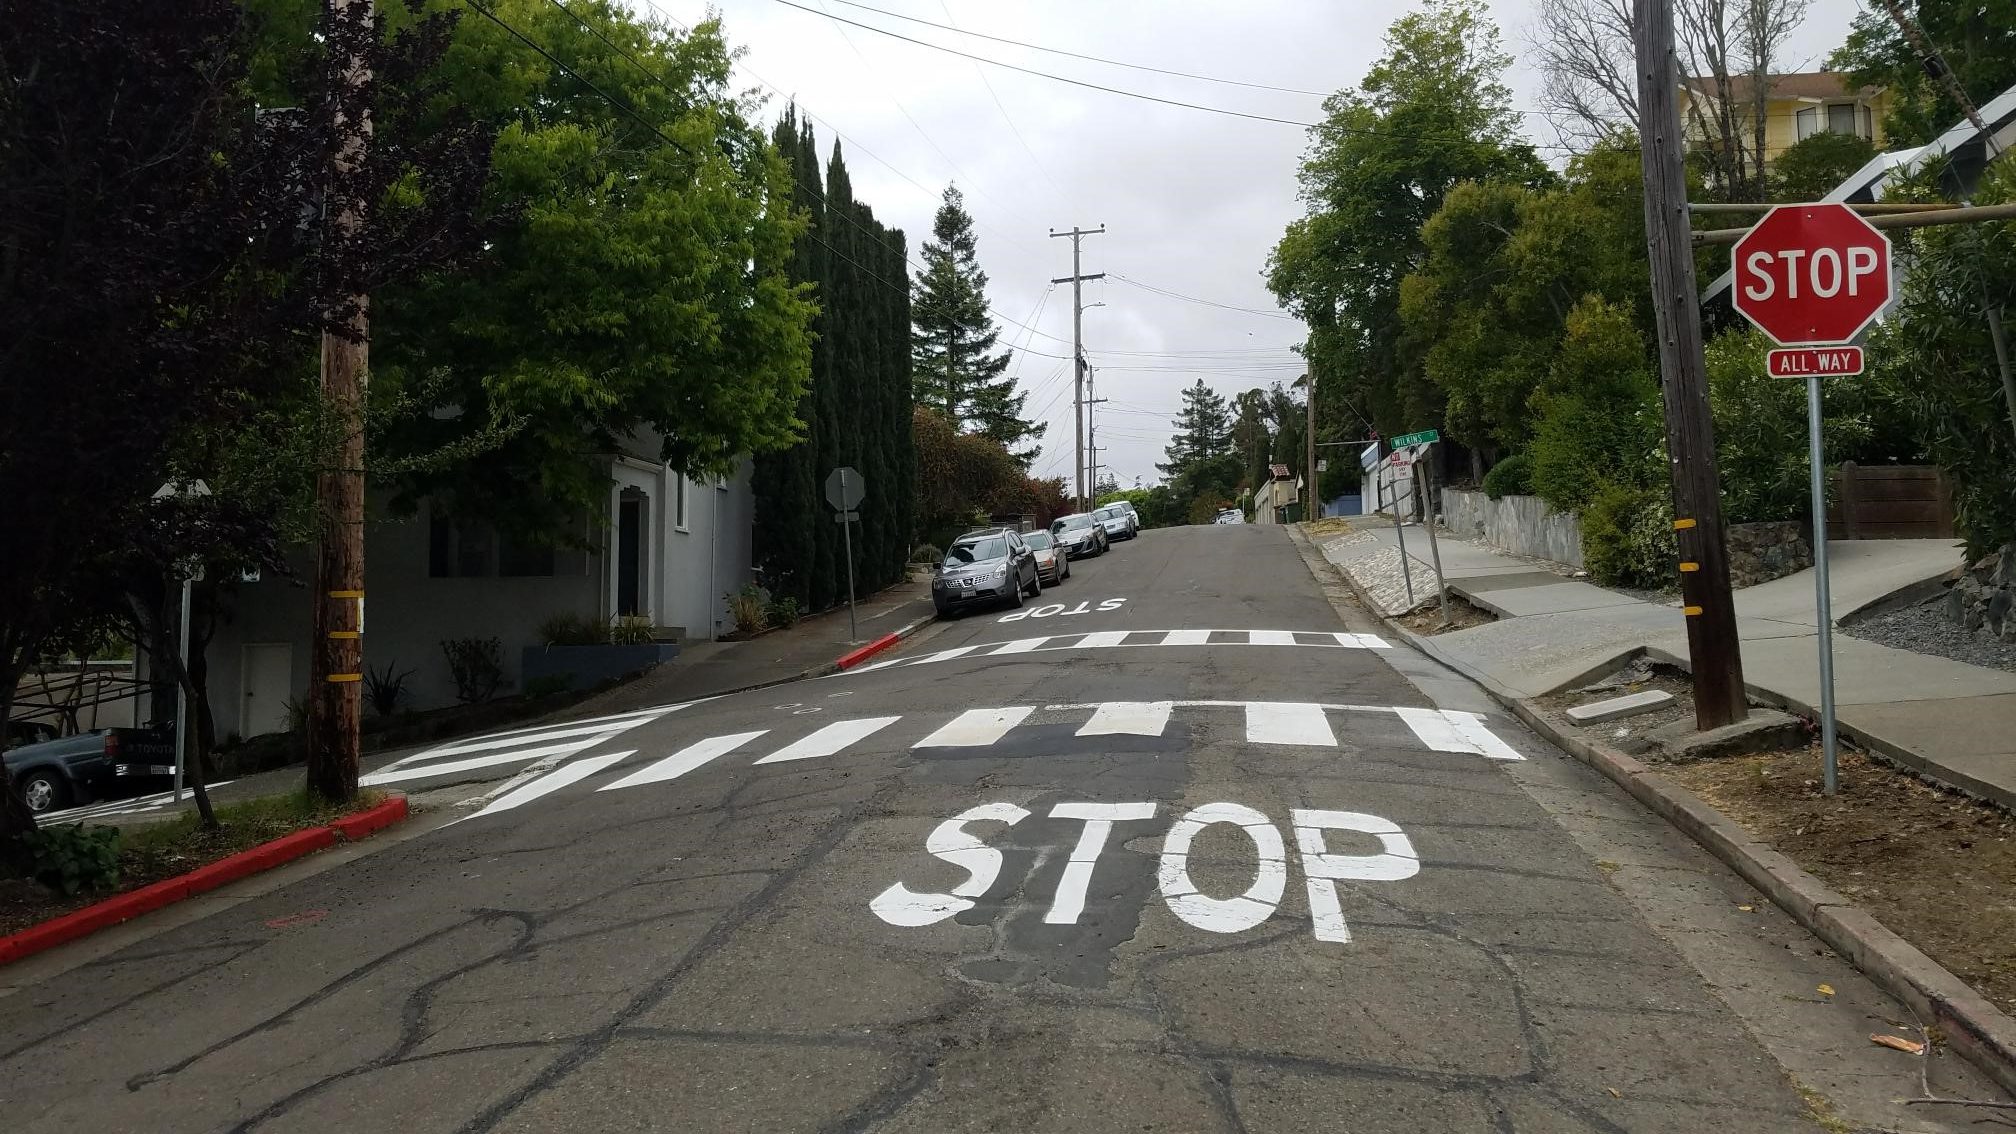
[587, 652]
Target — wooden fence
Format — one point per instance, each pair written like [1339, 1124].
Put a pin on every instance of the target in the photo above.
[1890, 502]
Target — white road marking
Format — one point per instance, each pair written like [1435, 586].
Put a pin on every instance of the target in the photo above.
[512, 747]
[1223, 915]
[1287, 722]
[392, 774]
[553, 781]
[1077, 878]
[900, 905]
[1447, 731]
[130, 806]
[1133, 639]
[685, 760]
[1323, 870]
[830, 739]
[492, 743]
[976, 728]
[1132, 718]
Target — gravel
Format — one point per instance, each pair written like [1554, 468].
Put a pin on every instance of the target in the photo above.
[1925, 629]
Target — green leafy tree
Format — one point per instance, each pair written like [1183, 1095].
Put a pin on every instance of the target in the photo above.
[1432, 113]
[1976, 38]
[1600, 423]
[1809, 169]
[953, 340]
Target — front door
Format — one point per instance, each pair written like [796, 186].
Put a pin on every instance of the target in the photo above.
[268, 678]
[629, 555]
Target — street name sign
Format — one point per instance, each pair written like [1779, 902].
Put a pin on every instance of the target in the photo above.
[1800, 362]
[1425, 437]
[1810, 275]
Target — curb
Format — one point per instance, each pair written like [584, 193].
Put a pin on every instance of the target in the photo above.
[855, 657]
[1983, 1034]
[133, 903]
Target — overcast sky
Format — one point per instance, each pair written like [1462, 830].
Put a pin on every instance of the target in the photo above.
[1192, 201]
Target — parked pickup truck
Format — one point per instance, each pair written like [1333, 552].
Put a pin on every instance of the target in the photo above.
[78, 769]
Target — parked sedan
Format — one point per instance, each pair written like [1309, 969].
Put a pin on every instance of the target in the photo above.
[1118, 522]
[1079, 535]
[1052, 565]
[983, 568]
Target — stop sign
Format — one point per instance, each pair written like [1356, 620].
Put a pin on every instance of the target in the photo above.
[1812, 274]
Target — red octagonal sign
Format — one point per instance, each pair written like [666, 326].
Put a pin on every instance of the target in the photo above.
[1811, 274]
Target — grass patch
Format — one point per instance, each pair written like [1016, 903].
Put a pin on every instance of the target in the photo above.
[151, 852]
[1328, 526]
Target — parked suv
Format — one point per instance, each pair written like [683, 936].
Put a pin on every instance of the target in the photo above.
[77, 769]
[985, 567]
[1052, 565]
[1079, 535]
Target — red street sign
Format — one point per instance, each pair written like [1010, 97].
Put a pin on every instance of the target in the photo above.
[1801, 362]
[1811, 274]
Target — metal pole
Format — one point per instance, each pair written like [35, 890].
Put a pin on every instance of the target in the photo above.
[1821, 598]
[182, 691]
[1400, 533]
[1314, 509]
[1434, 549]
[847, 538]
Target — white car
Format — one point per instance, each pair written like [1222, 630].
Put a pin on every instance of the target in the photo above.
[1230, 516]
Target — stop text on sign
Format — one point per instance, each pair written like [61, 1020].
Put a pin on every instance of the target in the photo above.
[1811, 275]
[1823, 361]
[1322, 868]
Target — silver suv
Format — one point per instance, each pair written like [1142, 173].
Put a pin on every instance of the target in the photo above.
[985, 567]
[1118, 522]
[1079, 535]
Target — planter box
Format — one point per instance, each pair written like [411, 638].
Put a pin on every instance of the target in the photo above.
[588, 666]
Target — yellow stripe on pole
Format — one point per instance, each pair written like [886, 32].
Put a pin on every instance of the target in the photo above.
[346, 594]
[1690, 611]
[1686, 567]
[344, 635]
[344, 677]
[1683, 524]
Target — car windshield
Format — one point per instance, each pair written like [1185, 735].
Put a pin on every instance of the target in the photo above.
[960, 554]
[1037, 540]
[1107, 513]
[1073, 523]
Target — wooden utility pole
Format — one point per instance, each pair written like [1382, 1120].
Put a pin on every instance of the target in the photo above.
[1712, 647]
[1315, 495]
[336, 670]
[1077, 279]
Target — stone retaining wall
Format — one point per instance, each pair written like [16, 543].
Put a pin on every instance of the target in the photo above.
[1759, 553]
[1522, 525]
[1984, 598]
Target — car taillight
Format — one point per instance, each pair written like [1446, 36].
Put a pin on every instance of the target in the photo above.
[111, 744]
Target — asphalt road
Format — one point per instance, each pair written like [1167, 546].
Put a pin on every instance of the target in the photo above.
[1177, 848]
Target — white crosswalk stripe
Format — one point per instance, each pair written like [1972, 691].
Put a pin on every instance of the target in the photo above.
[1109, 639]
[976, 728]
[830, 740]
[1288, 722]
[553, 781]
[112, 808]
[685, 760]
[519, 746]
[1135, 718]
[1447, 731]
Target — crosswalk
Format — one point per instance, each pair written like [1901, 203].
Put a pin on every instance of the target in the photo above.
[1284, 723]
[1108, 639]
[114, 808]
[548, 744]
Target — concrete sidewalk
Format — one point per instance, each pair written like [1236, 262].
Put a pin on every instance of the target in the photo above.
[1954, 722]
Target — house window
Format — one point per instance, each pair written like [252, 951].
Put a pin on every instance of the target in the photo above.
[1841, 118]
[1808, 122]
[463, 549]
[1834, 118]
[520, 558]
[679, 502]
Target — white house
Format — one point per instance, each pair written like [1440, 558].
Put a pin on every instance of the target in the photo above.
[667, 548]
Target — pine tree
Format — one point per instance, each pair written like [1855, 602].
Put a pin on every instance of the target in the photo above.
[1203, 431]
[953, 339]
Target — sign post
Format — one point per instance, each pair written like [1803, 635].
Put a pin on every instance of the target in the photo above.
[1399, 459]
[1434, 549]
[844, 491]
[1814, 276]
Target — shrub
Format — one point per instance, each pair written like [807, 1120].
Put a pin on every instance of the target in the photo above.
[1599, 418]
[385, 688]
[747, 605]
[926, 553]
[1760, 430]
[631, 630]
[1627, 538]
[547, 684]
[572, 630]
[1512, 476]
[782, 612]
[476, 665]
[72, 859]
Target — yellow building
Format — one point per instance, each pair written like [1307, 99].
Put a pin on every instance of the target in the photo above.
[1800, 106]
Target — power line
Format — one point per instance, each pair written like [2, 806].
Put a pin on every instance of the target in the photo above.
[1003, 108]
[1205, 302]
[576, 76]
[1076, 55]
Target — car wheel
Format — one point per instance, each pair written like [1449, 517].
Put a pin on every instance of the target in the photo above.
[43, 791]
[1035, 583]
[1020, 593]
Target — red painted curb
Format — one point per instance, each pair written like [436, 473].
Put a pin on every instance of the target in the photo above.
[133, 903]
[850, 660]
